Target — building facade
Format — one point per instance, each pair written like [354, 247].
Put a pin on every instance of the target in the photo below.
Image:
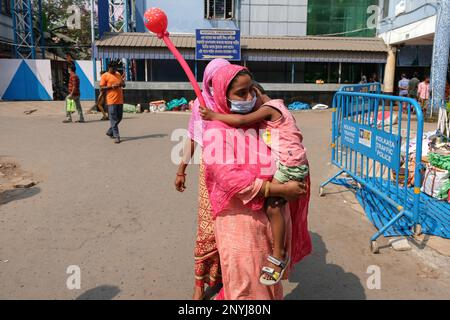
[409, 28]
[346, 18]
[252, 17]
[6, 29]
[274, 44]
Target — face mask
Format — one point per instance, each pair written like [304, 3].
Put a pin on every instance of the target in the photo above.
[211, 90]
[243, 107]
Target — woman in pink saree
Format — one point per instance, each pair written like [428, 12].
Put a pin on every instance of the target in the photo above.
[207, 263]
[238, 168]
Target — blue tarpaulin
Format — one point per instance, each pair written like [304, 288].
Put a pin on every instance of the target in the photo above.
[434, 216]
[299, 106]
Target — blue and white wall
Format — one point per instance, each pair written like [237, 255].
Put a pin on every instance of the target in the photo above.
[25, 80]
[86, 75]
[32, 79]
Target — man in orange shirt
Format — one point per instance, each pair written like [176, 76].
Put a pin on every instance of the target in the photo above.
[112, 82]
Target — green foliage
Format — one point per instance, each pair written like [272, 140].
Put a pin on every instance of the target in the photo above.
[55, 17]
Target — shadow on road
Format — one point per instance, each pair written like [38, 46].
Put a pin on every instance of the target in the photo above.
[318, 280]
[100, 293]
[18, 194]
[149, 136]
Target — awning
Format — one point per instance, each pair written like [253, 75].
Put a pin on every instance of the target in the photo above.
[281, 49]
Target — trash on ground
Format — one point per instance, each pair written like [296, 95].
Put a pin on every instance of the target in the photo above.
[295, 106]
[24, 183]
[27, 112]
[400, 244]
[177, 105]
[320, 106]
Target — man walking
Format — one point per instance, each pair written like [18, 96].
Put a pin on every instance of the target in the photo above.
[413, 86]
[403, 89]
[112, 83]
[424, 94]
[74, 94]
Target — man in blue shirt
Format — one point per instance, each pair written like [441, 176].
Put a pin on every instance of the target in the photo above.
[403, 86]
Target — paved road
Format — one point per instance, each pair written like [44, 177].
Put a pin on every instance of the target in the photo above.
[112, 210]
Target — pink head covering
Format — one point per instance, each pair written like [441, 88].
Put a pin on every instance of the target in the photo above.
[196, 124]
[243, 156]
[220, 84]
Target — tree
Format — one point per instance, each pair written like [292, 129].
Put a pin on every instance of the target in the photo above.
[58, 16]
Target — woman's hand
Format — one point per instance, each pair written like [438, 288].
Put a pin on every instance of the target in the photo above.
[207, 114]
[294, 189]
[180, 183]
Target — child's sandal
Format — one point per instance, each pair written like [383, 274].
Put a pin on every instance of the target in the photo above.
[275, 276]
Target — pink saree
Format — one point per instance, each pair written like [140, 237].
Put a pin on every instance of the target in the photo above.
[233, 179]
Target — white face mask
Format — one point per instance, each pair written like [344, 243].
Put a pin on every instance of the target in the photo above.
[243, 107]
[211, 90]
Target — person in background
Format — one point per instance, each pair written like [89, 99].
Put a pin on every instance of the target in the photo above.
[101, 102]
[403, 89]
[74, 94]
[112, 83]
[423, 94]
[363, 82]
[374, 78]
[413, 86]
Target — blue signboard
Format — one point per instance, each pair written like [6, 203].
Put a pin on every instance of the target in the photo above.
[217, 43]
[374, 143]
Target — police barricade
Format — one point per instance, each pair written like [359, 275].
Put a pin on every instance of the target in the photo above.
[367, 148]
[373, 87]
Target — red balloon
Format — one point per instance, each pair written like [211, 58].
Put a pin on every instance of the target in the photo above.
[155, 20]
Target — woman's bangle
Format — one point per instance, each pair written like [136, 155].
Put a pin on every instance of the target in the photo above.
[267, 190]
[181, 174]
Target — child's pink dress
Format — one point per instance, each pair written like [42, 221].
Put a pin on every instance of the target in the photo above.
[285, 139]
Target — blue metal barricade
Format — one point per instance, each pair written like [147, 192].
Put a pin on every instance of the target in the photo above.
[374, 87]
[367, 138]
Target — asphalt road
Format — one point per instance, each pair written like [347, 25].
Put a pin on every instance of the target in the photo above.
[112, 210]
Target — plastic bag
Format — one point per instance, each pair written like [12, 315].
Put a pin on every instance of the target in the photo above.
[444, 191]
[320, 106]
[434, 180]
[175, 103]
[129, 108]
[439, 161]
[70, 105]
[386, 116]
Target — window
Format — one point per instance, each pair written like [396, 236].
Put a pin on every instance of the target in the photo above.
[219, 9]
[346, 18]
[270, 71]
[5, 7]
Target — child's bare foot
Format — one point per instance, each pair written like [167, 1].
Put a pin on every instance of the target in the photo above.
[199, 293]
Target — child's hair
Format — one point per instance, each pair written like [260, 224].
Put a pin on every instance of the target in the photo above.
[240, 73]
[258, 86]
